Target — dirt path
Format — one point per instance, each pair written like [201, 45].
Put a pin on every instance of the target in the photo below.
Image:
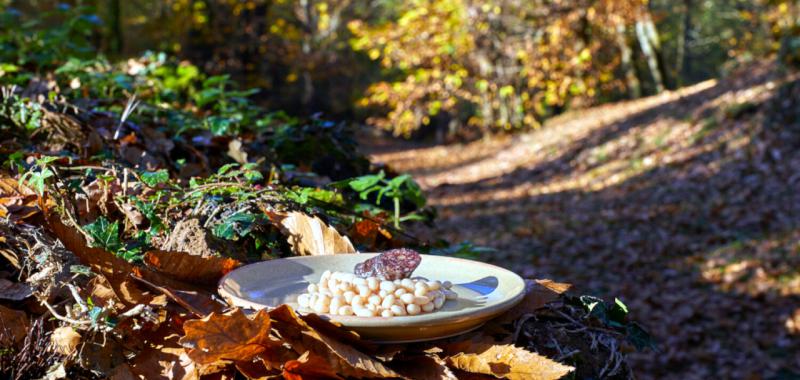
[684, 205]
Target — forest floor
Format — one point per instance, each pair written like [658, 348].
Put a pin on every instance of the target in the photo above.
[685, 205]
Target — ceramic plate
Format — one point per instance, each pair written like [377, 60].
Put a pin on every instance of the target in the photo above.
[484, 291]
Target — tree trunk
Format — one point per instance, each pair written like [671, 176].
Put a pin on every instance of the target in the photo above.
[645, 31]
[115, 27]
[683, 56]
[626, 62]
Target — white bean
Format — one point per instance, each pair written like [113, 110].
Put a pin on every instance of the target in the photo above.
[320, 307]
[434, 285]
[398, 310]
[387, 313]
[372, 283]
[312, 288]
[346, 310]
[374, 300]
[336, 303]
[400, 291]
[362, 312]
[383, 293]
[359, 281]
[302, 300]
[438, 301]
[364, 291]
[326, 275]
[372, 306]
[413, 309]
[348, 296]
[357, 301]
[388, 301]
[428, 307]
[408, 284]
[421, 292]
[421, 300]
[407, 298]
[388, 286]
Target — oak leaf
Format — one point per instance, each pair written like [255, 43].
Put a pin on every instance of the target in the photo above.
[343, 358]
[229, 336]
[309, 367]
[423, 367]
[163, 358]
[309, 235]
[17, 201]
[13, 326]
[190, 268]
[507, 361]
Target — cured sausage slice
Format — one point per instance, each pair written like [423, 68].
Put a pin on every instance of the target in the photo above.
[394, 264]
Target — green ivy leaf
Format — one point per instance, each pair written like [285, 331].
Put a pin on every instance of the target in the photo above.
[154, 178]
[104, 234]
[363, 183]
[239, 224]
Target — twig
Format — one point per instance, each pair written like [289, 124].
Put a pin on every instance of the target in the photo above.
[63, 318]
[77, 297]
[129, 107]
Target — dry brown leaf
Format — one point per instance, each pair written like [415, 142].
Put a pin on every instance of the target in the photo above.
[122, 372]
[423, 367]
[115, 269]
[508, 361]
[10, 255]
[102, 293]
[13, 326]
[16, 201]
[65, 340]
[190, 268]
[309, 235]
[338, 332]
[345, 359]
[14, 291]
[256, 370]
[309, 367]
[163, 358]
[229, 336]
[198, 302]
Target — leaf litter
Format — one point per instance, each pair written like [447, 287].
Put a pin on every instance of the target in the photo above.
[88, 290]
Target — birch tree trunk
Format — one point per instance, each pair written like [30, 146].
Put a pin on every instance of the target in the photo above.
[626, 60]
[645, 33]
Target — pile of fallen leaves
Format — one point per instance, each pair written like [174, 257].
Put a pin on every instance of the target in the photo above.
[96, 314]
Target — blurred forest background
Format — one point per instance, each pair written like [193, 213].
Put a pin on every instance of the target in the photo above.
[450, 68]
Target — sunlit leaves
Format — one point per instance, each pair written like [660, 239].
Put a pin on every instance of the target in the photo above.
[154, 178]
[104, 234]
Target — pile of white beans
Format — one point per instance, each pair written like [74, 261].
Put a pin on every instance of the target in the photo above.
[339, 293]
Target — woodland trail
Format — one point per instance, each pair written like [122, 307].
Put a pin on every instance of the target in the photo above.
[685, 205]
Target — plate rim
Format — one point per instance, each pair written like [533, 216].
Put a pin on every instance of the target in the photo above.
[398, 321]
